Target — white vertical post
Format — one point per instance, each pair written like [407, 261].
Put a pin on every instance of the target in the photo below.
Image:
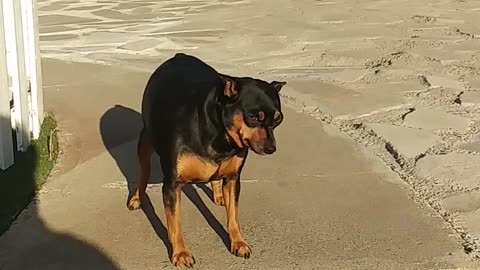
[16, 56]
[33, 61]
[6, 142]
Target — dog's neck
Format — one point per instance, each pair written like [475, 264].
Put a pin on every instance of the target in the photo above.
[221, 149]
[220, 145]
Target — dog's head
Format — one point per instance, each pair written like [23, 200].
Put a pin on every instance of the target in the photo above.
[251, 112]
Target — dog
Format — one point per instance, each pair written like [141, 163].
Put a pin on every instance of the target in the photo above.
[202, 125]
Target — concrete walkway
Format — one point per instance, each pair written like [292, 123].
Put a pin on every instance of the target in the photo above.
[321, 202]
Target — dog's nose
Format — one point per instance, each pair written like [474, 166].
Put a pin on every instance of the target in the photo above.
[270, 149]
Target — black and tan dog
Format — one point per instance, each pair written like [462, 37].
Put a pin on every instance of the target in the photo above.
[202, 123]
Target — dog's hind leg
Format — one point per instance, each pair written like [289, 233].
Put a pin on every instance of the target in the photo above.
[144, 152]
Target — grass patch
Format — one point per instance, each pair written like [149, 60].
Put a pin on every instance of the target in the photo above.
[20, 182]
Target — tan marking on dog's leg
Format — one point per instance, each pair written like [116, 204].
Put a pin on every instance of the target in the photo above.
[231, 192]
[181, 256]
[217, 193]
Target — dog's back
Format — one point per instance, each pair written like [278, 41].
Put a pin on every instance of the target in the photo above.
[176, 85]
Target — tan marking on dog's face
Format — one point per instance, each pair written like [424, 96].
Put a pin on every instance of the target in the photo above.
[234, 131]
[254, 136]
[243, 135]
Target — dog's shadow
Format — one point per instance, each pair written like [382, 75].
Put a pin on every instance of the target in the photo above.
[119, 128]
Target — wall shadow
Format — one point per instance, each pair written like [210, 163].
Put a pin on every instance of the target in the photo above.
[29, 243]
[120, 127]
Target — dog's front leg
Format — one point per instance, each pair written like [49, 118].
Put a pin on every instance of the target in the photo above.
[172, 194]
[231, 194]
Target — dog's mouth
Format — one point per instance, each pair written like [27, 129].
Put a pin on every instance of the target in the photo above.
[255, 149]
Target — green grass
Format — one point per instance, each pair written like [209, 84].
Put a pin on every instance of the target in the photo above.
[20, 182]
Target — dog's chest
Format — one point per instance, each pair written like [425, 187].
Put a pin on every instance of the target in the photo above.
[192, 168]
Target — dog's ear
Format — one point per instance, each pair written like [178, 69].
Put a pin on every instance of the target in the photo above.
[278, 85]
[230, 88]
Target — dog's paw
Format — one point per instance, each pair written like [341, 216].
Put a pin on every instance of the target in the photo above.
[218, 200]
[240, 249]
[134, 203]
[183, 258]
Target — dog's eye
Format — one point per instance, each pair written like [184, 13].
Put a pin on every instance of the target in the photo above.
[253, 117]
